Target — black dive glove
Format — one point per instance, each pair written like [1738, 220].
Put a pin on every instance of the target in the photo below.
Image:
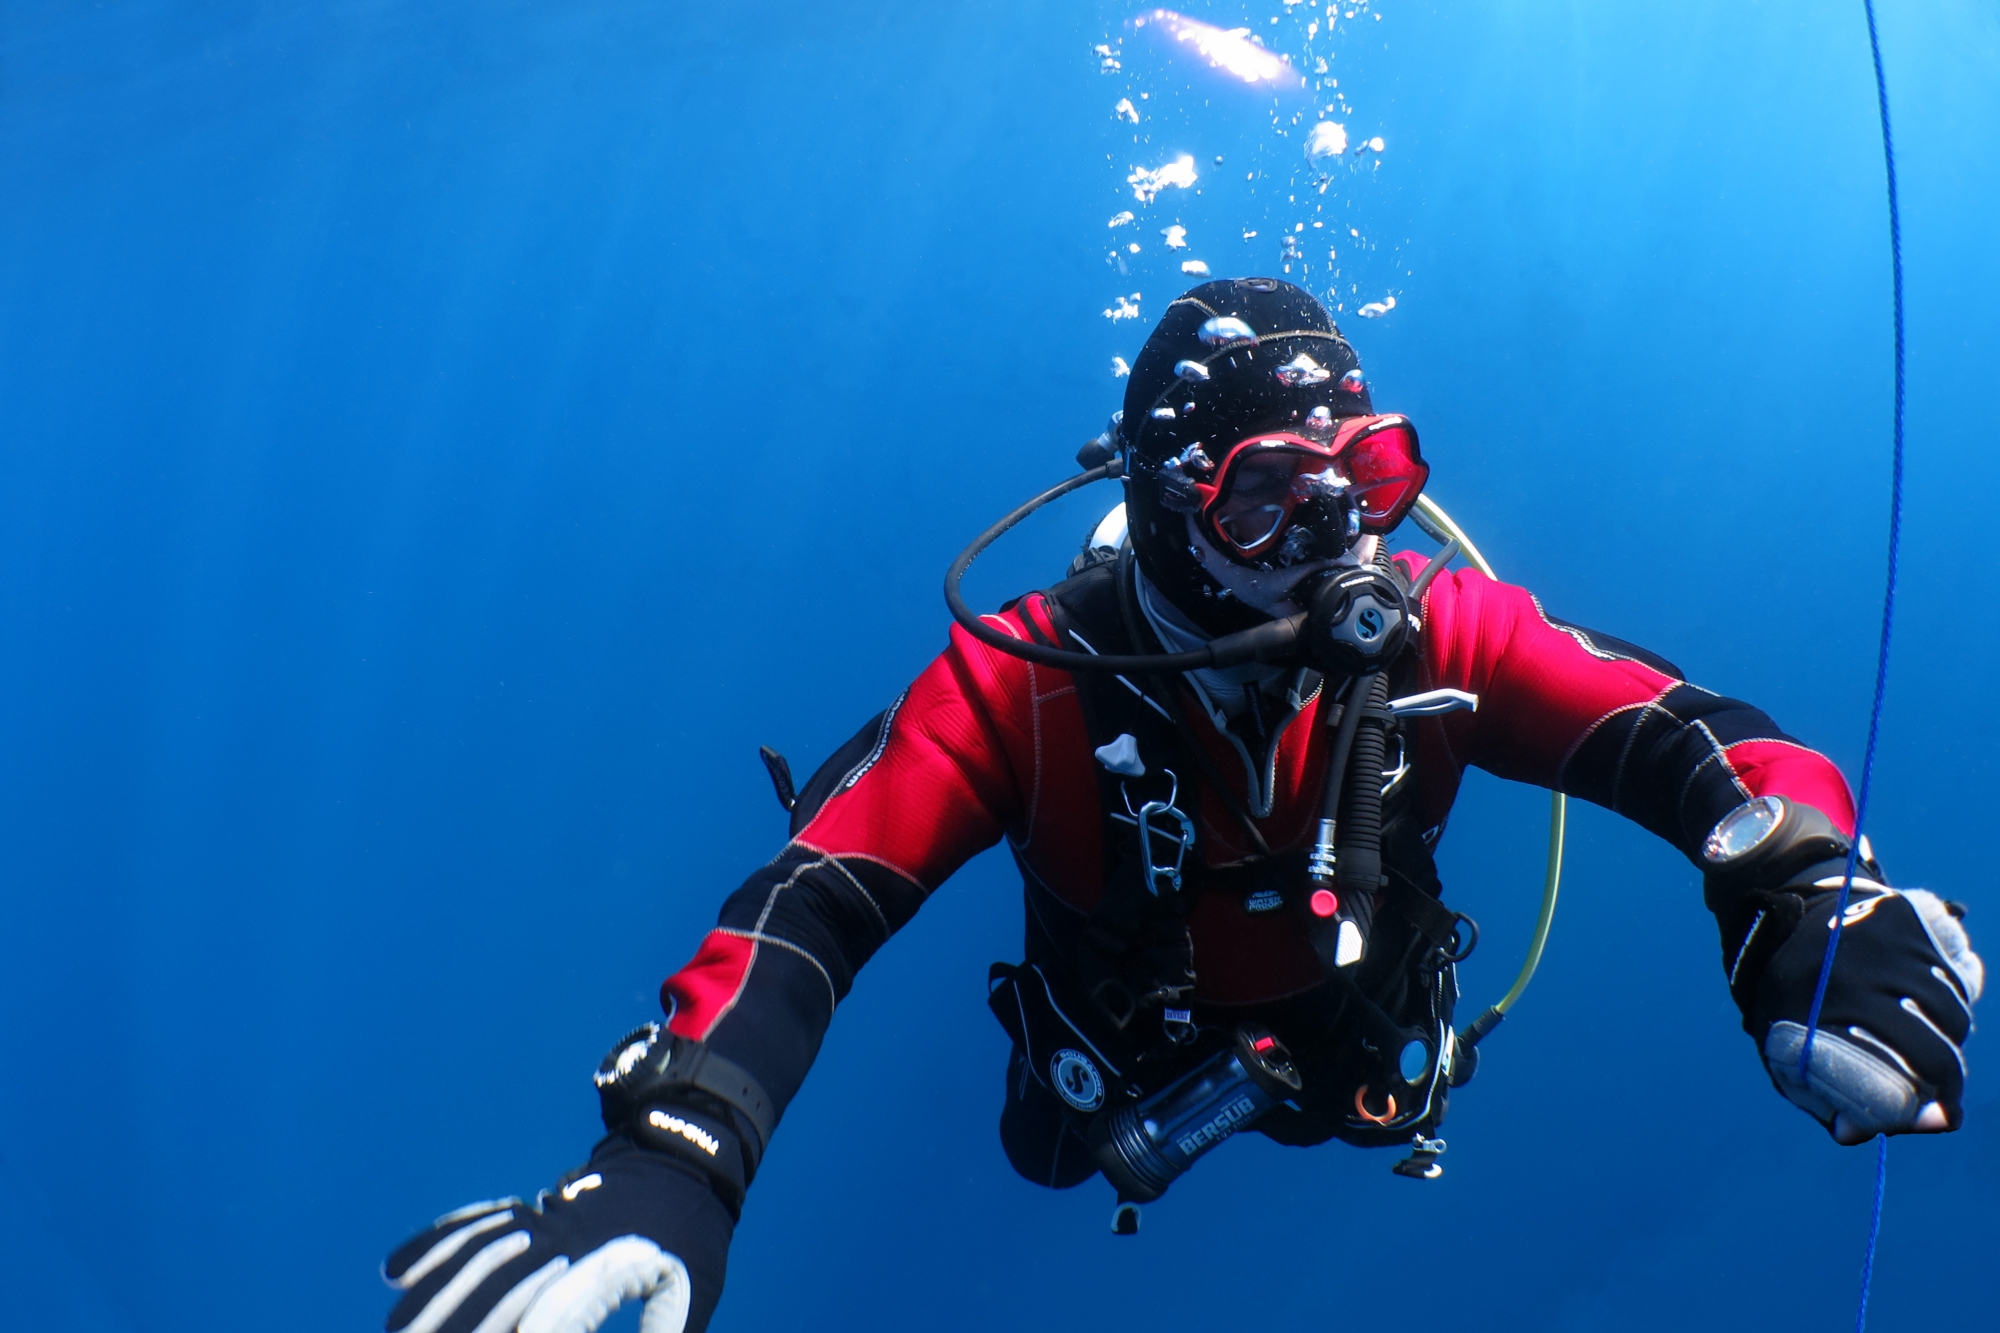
[632, 1225]
[649, 1218]
[1888, 1054]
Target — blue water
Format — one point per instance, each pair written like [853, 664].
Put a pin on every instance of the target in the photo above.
[439, 443]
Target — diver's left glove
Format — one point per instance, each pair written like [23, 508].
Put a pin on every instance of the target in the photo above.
[1888, 1055]
[649, 1218]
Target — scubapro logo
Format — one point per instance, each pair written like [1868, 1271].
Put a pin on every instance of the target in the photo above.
[1076, 1079]
[1369, 624]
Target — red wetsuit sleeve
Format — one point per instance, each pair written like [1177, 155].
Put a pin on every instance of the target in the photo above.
[925, 786]
[1573, 709]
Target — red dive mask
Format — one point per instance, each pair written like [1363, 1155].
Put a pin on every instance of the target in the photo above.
[1269, 487]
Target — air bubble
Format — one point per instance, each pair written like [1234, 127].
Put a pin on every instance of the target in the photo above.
[1146, 185]
[1325, 145]
[1302, 371]
[1353, 381]
[1192, 371]
[1227, 331]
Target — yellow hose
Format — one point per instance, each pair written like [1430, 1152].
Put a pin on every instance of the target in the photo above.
[1439, 525]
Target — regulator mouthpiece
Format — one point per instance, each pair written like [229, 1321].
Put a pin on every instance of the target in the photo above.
[1356, 621]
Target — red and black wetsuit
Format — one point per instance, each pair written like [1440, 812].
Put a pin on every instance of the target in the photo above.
[984, 746]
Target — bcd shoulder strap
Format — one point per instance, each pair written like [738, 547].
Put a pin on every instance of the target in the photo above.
[1135, 952]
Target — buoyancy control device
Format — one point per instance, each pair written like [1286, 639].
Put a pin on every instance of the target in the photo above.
[1077, 1039]
[1102, 1009]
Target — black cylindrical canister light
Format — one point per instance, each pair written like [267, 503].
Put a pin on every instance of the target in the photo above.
[1145, 1147]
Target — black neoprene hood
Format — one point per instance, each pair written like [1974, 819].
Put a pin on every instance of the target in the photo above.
[1242, 395]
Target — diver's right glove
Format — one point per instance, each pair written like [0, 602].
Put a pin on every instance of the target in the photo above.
[649, 1218]
[1888, 1053]
[632, 1225]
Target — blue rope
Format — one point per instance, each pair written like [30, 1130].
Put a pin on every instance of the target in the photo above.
[1874, 1231]
[1881, 659]
[1895, 545]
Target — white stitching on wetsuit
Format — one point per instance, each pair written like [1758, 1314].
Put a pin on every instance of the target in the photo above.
[860, 770]
[1722, 751]
[755, 935]
[1717, 754]
[1562, 766]
[832, 1000]
[1035, 730]
[866, 896]
[1583, 639]
[1773, 740]
[887, 865]
[1631, 739]
[742, 983]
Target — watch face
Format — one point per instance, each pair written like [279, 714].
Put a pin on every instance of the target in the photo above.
[1743, 830]
[626, 1057]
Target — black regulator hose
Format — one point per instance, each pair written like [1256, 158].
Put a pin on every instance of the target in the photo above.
[1359, 755]
[1271, 641]
[1369, 691]
[1358, 867]
[1345, 729]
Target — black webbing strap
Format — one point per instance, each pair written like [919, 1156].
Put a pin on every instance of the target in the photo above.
[1170, 699]
[653, 1066]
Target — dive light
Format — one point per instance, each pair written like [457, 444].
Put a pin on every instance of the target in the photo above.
[1144, 1147]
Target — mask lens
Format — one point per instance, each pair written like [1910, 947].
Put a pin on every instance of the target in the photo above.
[1256, 496]
[1371, 472]
[1259, 491]
[1388, 475]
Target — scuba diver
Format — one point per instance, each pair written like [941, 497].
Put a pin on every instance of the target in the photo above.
[1222, 752]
